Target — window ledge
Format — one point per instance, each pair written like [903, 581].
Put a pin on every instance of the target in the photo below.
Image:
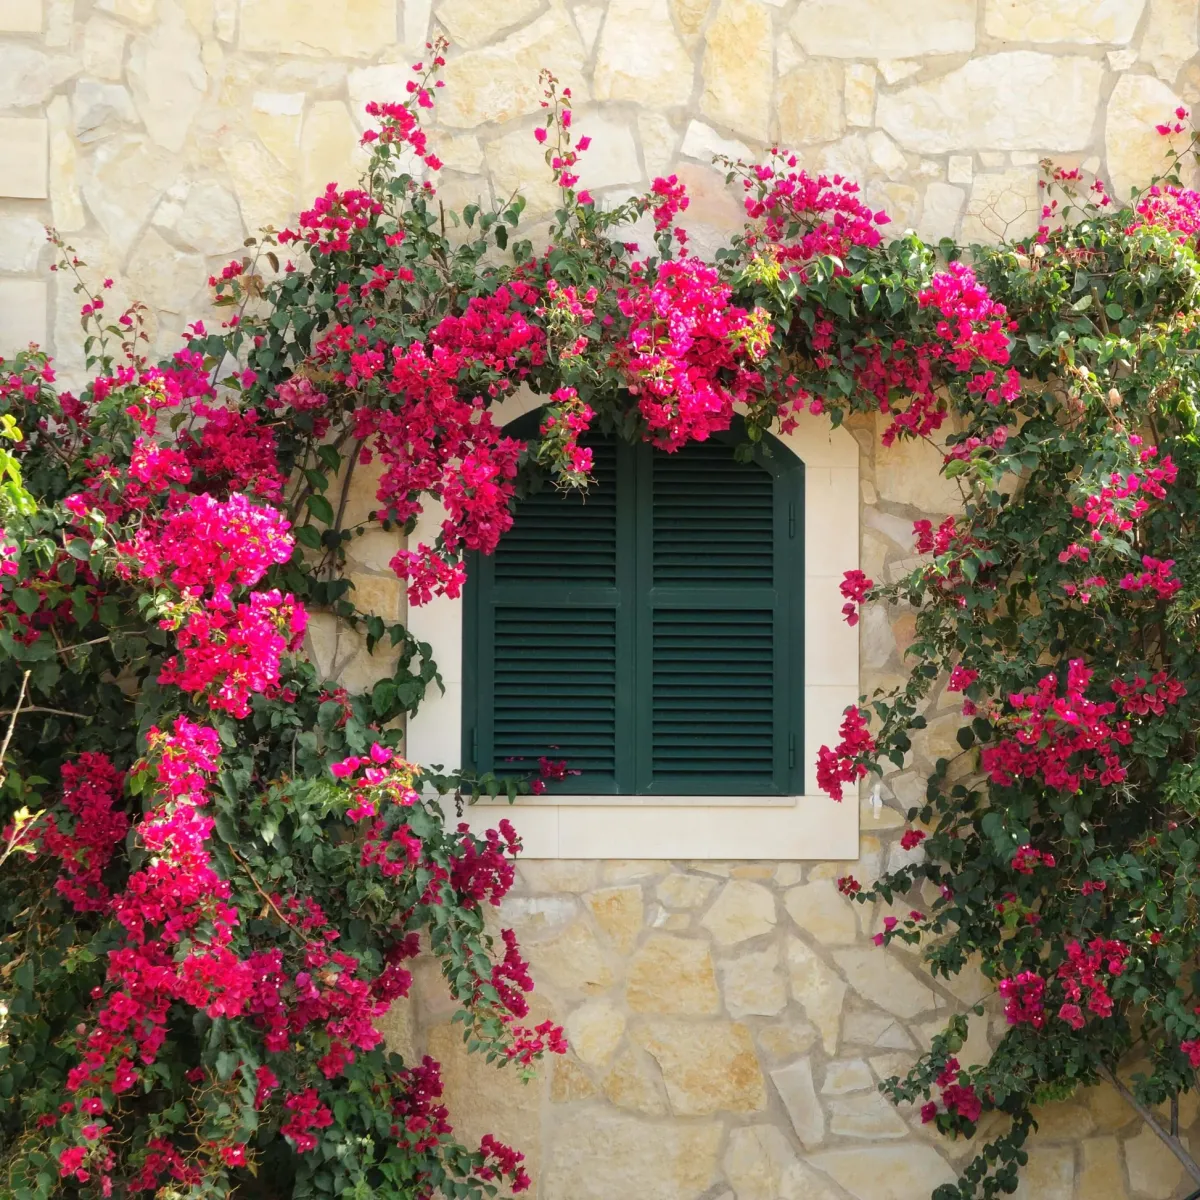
[574, 801]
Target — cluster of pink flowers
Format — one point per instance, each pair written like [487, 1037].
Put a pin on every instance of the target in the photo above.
[1086, 969]
[335, 215]
[843, 763]
[670, 198]
[1156, 576]
[305, 1113]
[1120, 502]
[1023, 999]
[1143, 696]
[1027, 858]
[567, 418]
[234, 452]
[854, 587]
[1171, 207]
[957, 1098]
[1061, 740]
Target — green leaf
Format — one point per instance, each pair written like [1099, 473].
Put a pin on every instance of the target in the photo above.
[320, 508]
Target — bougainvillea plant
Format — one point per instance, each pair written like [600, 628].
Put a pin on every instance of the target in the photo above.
[215, 864]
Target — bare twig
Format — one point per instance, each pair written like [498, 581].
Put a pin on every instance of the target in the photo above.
[258, 887]
[32, 708]
[12, 724]
[1168, 1139]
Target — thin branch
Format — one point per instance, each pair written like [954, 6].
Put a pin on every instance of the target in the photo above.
[258, 887]
[1168, 1139]
[32, 708]
[12, 724]
[80, 645]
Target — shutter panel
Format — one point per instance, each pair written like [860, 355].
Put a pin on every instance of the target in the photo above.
[550, 643]
[712, 681]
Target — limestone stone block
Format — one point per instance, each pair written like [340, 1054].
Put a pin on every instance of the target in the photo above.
[786, 1040]
[377, 594]
[1003, 204]
[1016, 100]
[878, 976]
[846, 1075]
[639, 56]
[1100, 1172]
[1136, 151]
[477, 22]
[329, 150]
[342, 28]
[672, 975]
[594, 1031]
[741, 911]
[140, 12]
[499, 82]
[569, 1081]
[66, 204]
[168, 79]
[21, 242]
[818, 989]
[265, 192]
[538, 916]
[122, 182]
[883, 29]
[21, 16]
[588, 19]
[23, 157]
[631, 1085]
[794, 1083]
[204, 216]
[737, 58]
[868, 1116]
[859, 93]
[886, 155]
[940, 210]
[163, 277]
[100, 109]
[624, 870]
[704, 144]
[811, 104]
[876, 1029]
[1154, 1172]
[659, 140]
[612, 158]
[572, 960]
[821, 911]
[960, 168]
[22, 314]
[761, 1165]
[372, 552]
[277, 117]
[707, 1068]
[1171, 37]
[104, 48]
[1080, 21]
[886, 1172]
[515, 161]
[689, 15]
[597, 1155]
[620, 913]
[684, 891]
[754, 985]
[28, 74]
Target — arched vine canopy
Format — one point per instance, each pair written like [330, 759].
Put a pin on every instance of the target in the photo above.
[215, 864]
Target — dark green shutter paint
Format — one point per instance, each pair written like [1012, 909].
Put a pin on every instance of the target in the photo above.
[650, 633]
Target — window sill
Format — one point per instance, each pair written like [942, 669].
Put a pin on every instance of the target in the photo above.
[574, 801]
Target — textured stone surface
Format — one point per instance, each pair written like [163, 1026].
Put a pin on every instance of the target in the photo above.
[1136, 151]
[21, 242]
[340, 27]
[794, 1083]
[631, 1084]
[167, 77]
[820, 910]
[21, 16]
[883, 28]
[1015, 100]
[474, 22]
[886, 1172]
[22, 314]
[761, 1165]
[1063, 20]
[640, 57]
[818, 989]
[672, 975]
[573, 960]
[706, 1068]
[741, 910]
[737, 58]
[23, 157]
[878, 976]
[754, 985]
[1001, 204]
[1153, 1171]
[1171, 36]
[810, 103]
[595, 1030]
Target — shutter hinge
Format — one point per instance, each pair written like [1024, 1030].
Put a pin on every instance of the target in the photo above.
[791, 520]
[791, 751]
[475, 749]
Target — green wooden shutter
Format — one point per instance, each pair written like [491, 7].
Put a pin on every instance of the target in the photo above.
[649, 632]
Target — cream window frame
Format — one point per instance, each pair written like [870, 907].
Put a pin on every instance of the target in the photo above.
[810, 826]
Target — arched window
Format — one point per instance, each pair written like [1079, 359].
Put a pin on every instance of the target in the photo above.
[649, 633]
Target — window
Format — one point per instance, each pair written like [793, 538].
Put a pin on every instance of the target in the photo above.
[648, 633]
[733, 823]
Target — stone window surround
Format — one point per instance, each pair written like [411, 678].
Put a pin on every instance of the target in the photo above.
[682, 827]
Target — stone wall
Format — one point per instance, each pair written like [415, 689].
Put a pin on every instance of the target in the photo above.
[729, 1021]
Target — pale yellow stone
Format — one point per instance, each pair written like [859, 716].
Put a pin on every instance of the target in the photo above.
[373, 551]
[329, 150]
[846, 1075]
[573, 960]
[21, 240]
[141, 12]
[820, 910]
[707, 1068]
[166, 278]
[623, 870]
[1171, 37]
[377, 594]
[321, 641]
[20, 16]
[684, 891]
[569, 1081]
[672, 975]
[1136, 151]
[594, 1031]
[810, 104]
[758, 871]
[612, 158]
[500, 81]
[640, 57]
[878, 975]
[620, 913]
[737, 58]
[818, 989]
[886, 29]
[66, 204]
[786, 1040]
[940, 210]
[1016, 100]
[1049, 1175]
[1086, 21]
[588, 18]
[741, 911]
[476, 22]
[516, 163]
[876, 1029]
[277, 117]
[1003, 205]
[399, 1028]
[761, 1165]
[461, 153]
[659, 140]
[1154, 1172]
[266, 193]
[600, 1155]
[869, 1116]
[1100, 1172]
[103, 47]
[753, 985]
[28, 74]
[689, 15]
[23, 157]
[859, 94]
[1062, 1122]
[167, 78]
[794, 1083]
[908, 1172]
[630, 1085]
[557, 875]
[343, 28]
[22, 314]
